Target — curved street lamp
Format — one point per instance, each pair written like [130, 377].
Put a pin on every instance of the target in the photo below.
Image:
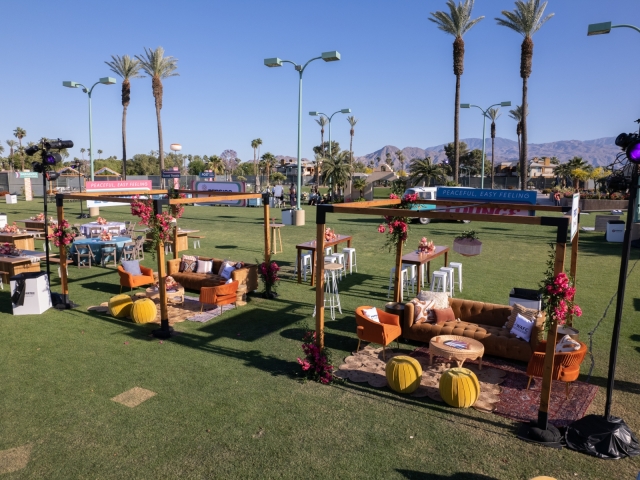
[328, 117]
[484, 124]
[104, 81]
[277, 62]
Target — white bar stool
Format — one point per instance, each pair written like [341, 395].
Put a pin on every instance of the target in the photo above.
[404, 278]
[450, 278]
[328, 251]
[331, 294]
[306, 264]
[458, 265]
[351, 252]
[340, 259]
[167, 248]
[440, 279]
[412, 276]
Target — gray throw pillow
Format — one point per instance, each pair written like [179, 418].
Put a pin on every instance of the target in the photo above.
[132, 267]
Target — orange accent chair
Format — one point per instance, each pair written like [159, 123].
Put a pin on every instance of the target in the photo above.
[383, 332]
[221, 295]
[135, 281]
[566, 365]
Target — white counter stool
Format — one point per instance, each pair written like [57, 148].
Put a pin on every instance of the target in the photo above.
[439, 281]
[404, 278]
[458, 265]
[412, 277]
[306, 261]
[351, 253]
[331, 294]
[449, 271]
[340, 260]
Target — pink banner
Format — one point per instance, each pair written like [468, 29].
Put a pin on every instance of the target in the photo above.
[115, 185]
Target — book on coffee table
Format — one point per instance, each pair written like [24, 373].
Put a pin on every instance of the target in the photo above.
[457, 344]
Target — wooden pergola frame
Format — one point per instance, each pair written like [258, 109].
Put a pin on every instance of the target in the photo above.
[381, 208]
[158, 204]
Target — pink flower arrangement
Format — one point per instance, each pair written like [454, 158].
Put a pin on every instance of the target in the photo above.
[316, 365]
[269, 274]
[105, 236]
[101, 221]
[329, 235]
[9, 249]
[10, 228]
[426, 246]
[62, 235]
[397, 227]
[159, 224]
[38, 218]
[558, 295]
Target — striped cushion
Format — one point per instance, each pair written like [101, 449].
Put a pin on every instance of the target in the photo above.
[188, 264]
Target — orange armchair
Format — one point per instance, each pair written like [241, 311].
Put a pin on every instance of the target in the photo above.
[135, 281]
[221, 295]
[566, 365]
[383, 332]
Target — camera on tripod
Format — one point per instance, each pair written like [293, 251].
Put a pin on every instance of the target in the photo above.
[49, 159]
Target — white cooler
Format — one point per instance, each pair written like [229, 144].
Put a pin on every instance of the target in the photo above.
[3, 220]
[36, 298]
[615, 231]
[11, 198]
[287, 217]
[526, 297]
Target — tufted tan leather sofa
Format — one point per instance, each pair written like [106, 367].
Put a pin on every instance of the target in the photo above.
[480, 321]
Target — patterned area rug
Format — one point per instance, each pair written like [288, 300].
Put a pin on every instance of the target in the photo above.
[367, 366]
[511, 400]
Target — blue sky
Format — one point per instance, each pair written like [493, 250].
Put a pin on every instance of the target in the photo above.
[395, 74]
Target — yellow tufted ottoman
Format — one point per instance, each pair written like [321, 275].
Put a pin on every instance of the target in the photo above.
[120, 306]
[144, 311]
[459, 387]
[403, 374]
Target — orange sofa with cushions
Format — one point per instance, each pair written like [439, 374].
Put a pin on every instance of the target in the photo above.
[247, 275]
[480, 321]
[382, 333]
[135, 281]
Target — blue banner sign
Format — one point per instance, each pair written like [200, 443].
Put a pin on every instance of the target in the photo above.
[486, 195]
[170, 174]
[207, 175]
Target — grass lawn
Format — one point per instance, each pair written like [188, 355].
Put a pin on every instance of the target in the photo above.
[230, 402]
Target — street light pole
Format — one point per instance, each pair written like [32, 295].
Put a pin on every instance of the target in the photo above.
[484, 124]
[277, 62]
[329, 118]
[104, 81]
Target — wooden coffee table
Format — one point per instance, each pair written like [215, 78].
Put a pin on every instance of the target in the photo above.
[459, 355]
[175, 296]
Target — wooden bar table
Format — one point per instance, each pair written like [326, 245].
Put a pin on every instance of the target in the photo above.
[311, 246]
[15, 265]
[419, 259]
[23, 241]
[35, 225]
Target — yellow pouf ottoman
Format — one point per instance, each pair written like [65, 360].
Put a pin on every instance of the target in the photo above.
[144, 311]
[459, 387]
[404, 374]
[120, 306]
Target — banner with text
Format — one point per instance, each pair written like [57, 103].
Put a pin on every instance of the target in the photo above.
[479, 196]
[228, 187]
[114, 186]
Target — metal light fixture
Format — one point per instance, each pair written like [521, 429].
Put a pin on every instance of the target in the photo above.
[599, 28]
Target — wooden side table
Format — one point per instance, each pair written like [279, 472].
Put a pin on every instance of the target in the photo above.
[275, 236]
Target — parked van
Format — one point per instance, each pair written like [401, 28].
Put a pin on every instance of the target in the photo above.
[424, 193]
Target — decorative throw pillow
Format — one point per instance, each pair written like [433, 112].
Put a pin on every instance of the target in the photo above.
[226, 271]
[132, 267]
[529, 313]
[188, 264]
[204, 266]
[421, 311]
[371, 314]
[225, 264]
[522, 327]
[444, 315]
[441, 299]
[567, 344]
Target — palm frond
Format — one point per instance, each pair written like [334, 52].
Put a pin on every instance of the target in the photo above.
[493, 114]
[457, 21]
[156, 64]
[322, 121]
[526, 19]
[125, 66]
[352, 121]
[516, 113]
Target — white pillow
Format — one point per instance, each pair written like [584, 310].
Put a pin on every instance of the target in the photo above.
[440, 299]
[567, 344]
[371, 314]
[229, 281]
[224, 265]
[522, 328]
[204, 266]
[132, 267]
[226, 271]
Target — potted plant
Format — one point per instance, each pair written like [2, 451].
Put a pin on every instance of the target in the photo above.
[269, 275]
[467, 244]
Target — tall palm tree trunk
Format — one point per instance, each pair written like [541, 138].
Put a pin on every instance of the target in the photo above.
[526, 57]
[351, 156]
[156, 84]
[124, 142]
[318, 164]
[456, 132]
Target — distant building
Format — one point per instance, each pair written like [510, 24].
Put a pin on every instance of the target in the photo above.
[506, 169]
[542, 167]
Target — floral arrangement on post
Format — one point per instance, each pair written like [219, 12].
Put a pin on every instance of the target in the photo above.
[62, 235]
[9, 249]
[159, 225]
[558, 292]
[426, 246]
[10, 228]
[467, 244]
[316, 365]
[269, 276]
[397, 226]
[101, 221]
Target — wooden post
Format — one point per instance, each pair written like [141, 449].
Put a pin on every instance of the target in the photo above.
[545, 394]
[573, 269]
[267, 245]
[175, 241]
[165, 330]
[63, 256]
[397, 281]
[320, 285]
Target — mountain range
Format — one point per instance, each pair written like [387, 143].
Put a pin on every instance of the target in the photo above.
[598, 152]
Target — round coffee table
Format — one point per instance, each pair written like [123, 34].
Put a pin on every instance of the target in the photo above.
[175, 296]
[459, 355]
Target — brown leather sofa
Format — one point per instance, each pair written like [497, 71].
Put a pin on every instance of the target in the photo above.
[247, 275]
[480, 321]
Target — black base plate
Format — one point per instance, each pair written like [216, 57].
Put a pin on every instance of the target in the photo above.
[164, 333]
[525, 433]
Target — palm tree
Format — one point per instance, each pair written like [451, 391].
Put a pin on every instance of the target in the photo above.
[322, 121]
[269, 162]
[336, 170]
[424, 170]
[352, 122]
[388, 160]
[82, 150]
[255, 144]
[493, 114]
[127, 68]
[20, 133]
[157, 66]
[401, 160]
[360, 184]
[516, 114]
[526, 19]
[578, 170]
[457, 22]
[12, 145]
[99, 153]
